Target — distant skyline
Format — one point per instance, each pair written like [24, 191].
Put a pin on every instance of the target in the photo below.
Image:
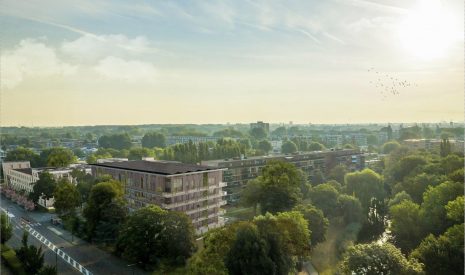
[136, 62]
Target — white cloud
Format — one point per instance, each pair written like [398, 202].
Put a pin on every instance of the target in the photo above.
[89, 48]
[131, 71]
[31, 58]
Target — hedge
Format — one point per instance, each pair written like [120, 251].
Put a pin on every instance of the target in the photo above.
[9, 256]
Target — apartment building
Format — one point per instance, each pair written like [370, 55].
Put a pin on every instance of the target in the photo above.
[239, 171]
[193, 189]
[260, 124]
[171, 140]
[457, 146]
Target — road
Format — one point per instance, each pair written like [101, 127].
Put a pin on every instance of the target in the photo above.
[71, 254]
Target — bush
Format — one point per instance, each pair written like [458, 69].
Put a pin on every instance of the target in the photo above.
[11, 261]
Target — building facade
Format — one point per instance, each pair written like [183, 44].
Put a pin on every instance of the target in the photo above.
[171, 140]
[260, 124]
[193, 189]
[240, 171]
[457, 146]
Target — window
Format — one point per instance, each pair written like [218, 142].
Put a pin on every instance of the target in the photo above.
[177, 185]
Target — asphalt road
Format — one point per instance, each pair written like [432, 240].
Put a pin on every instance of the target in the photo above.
[87, 255]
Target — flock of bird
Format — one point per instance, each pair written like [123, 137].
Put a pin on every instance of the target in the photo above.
[387, 84]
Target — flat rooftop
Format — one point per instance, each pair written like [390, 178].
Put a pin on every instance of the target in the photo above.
[156, 167]
[24, 170]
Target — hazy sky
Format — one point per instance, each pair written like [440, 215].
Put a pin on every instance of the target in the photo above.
[136, 62]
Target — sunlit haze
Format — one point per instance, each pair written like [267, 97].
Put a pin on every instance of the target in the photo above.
[125, 62]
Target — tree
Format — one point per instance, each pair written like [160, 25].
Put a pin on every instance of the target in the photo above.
[249, 253]
[324, 197]
[365, 185]
[315, 146]
[101, 197]
[279, 187]
[408, 165]
[112, 216]
[288, 147]
[451, 163]
[154, 139]
[251, 195]
[139, 153]
[265, 146]
[31, 258]
[258, 133]
[48, 270]
[442, 255]
[398, 198]
[317, 223]
[338, 173]
[57, 157]
[280, 132]
[44, 187]
[416, 185]
[67, 198]
[84, 185]
[390, 146]
[116, 141]
[6, 228]
[406, 225]
[455, 209]
[350, 209]
[374, 259]
[23, 154]
[152, 235]
[229, 132]
[434, 201]
[444, 147]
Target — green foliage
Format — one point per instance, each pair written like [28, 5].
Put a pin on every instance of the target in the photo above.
[338, 173]
[451, 163]
[67, 198]
[288, 147]
[455, 209]
[45, 187]
[154, 139]
[374, 259]
[442, 255]
[6, 228]
[317, 223]
[406, 225]
[31, 258]
[434, 201]
[277, 189]
[104, 198]
[416, 185]
[350, 209]
[280, 132]
[365, 186]
[48, 270]
[324, 197]
[11, 260]
[152, 235]
[445, 147]
[457, 175]
[408, 165]
[390, 146]
[258, 133]
[115, 141]
[139, 153]
[398, 198]
[335, 184]
[316, 146]
[229, 132]
[57, 157]
[23, 154]
[265, 146]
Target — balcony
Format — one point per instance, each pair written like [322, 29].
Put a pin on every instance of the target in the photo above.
[191, 191]
[182, 203]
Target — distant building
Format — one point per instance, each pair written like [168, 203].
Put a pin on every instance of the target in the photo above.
[383, 137]
[457, 146]
[193, 189]
[112, 160]
[20, 177]
[260, 124]
[335, 141]
[240, 171]
[276, 146]
[171, 140]
[357, 139]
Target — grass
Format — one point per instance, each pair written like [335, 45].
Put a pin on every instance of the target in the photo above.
[11, 261]
[325, 255]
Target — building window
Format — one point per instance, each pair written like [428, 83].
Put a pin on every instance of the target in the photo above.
[177, 185]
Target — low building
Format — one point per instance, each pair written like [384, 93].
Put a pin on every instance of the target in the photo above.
[241, 170]
[193, 189]
[171, 140]
[457, 146]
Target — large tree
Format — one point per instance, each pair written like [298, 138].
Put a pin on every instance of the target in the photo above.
[57, 157]
[67, 198]
[406, 225]
[32, 259]
[265, 146]
[44, 187]
[288, 147]
[152, 235]
[350, 209]
[154, 139]
[23, 154]
[116, 141]
[365, 185]
[374, 259]
[443, 254]
[278, 189]
[317, 223]
[258, 133]
[6, 228]
[324, 196]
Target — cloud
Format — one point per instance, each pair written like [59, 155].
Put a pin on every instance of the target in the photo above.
[31, 58]
[115, 68]
[89, 48]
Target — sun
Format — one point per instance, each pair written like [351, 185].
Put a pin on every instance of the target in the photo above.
[428, 31]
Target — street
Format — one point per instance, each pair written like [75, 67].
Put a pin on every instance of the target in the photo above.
[71, 254]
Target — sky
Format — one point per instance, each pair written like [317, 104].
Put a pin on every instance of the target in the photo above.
[142, 62]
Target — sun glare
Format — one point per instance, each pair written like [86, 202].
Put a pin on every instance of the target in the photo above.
[428, 30]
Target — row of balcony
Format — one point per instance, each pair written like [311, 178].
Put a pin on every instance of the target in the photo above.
[190, 201]
[203, 188]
